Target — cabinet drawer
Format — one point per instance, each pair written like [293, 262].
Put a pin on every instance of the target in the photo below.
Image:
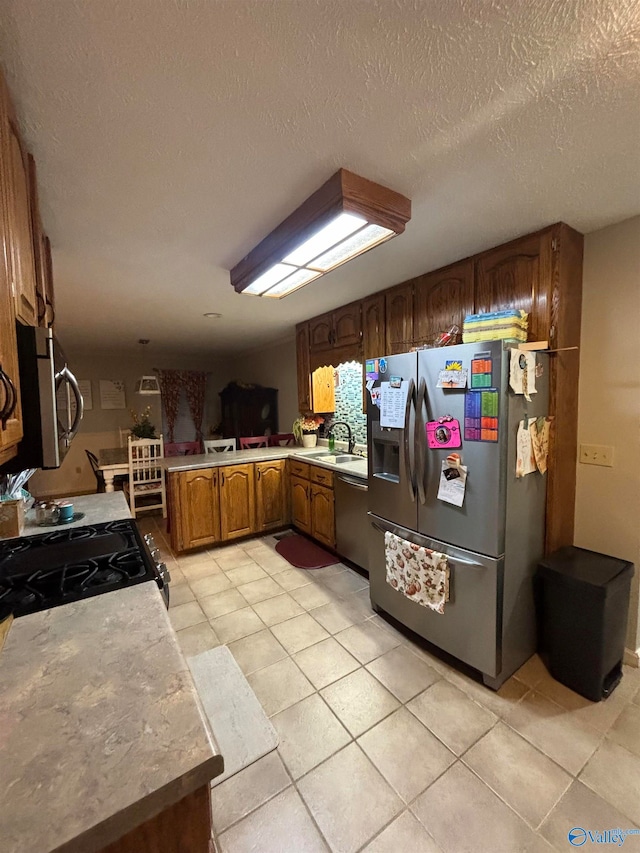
[321, 475]
[300, 469]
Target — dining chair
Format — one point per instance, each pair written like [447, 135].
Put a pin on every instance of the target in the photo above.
[146, 475]
[124, 435]
[254, 441]
[282, 439]
[183, 448]
[220, 445]
[93, 461]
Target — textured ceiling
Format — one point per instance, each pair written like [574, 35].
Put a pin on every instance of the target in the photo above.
[172, 135]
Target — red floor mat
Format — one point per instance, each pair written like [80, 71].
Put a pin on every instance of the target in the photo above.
[303, 554]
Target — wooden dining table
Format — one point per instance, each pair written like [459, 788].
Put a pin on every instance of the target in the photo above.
[113, 461]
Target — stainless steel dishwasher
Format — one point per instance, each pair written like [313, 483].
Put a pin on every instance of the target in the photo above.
[352, 523]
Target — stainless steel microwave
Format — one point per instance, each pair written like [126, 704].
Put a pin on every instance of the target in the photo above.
[51, 401]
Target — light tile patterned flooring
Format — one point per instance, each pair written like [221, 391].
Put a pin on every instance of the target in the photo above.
[384, 748]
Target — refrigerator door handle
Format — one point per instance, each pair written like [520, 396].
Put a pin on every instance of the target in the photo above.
[458, 561]
[420, 441]
[409, 474]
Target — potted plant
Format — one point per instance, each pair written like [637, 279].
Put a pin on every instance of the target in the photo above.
[305, 429]
[142, 426]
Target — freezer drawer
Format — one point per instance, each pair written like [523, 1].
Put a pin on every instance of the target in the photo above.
[471, 627]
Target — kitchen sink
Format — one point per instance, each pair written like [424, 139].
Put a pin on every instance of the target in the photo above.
[335, 458]
[318, 455]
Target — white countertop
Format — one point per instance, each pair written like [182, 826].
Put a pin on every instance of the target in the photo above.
[96, 508]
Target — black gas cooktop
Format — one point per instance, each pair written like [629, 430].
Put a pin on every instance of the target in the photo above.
[39, 572]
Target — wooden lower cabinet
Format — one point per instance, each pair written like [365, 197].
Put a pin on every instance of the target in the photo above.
[272, 505]
[237, 501]
[200, 502]
[323, 526]
[184, 827]
[300, 503]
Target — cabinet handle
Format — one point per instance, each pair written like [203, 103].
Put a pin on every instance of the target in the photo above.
[222, 479]
[258, 473]
[11, 397]
[42, 312]
[53, 314]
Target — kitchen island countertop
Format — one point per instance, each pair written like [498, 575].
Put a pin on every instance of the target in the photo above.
[101, 727]
[96, 508]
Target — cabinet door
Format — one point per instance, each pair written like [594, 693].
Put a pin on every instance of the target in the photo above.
[347, 325]
[237, 501]
[442, 299]
[14, 157]
[303, 368]
[300, 503]
[271, 495]
[518, 275]
[373, 327]
[40, 251]
[323, 525]
[200, 507]
[321, 333]
[399, 317]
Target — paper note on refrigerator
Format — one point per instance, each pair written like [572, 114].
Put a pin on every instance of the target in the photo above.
[522, 373]
[393, 403]
[525, 459]
[453, 483]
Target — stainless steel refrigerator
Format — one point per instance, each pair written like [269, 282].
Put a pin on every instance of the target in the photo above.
[495, 539]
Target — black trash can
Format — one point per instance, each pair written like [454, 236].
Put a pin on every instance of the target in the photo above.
[583, 598]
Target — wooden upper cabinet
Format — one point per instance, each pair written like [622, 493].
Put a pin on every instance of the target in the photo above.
[518, 275]
[347, 325]
[303, 368]
[200, 507]
[374, 342]
[271, 495]
[321, 333]
[399, 318]
[21, 246]
[442, 299]
[237, 501]
[41, 254]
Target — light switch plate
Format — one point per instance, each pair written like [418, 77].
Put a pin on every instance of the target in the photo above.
[596, 454]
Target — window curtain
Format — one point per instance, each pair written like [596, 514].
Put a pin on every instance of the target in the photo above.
[170, 387]
[195, 383]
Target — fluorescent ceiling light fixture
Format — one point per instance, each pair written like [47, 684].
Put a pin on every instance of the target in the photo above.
[347, 216]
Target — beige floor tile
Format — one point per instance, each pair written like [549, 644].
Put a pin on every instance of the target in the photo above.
[614, 773]
[313, 595]
[403, 673]
[349, 799]
[366, 642]
[194, 558]
[247, 790]
[280, 685]
[180, 594]
[309, 732]
[327, 571]
[522, 776]
[452, 715]
[405, 835]
[259, 590]
[245, 574]
[299, 633]
[186, 615]
[211, 585]
[464, 816]
[254, 545]
[282, 825]
[359, 701]
[233, 559]
[278, 609]
[224, 602]
[292, 578]
[201, 569]
[325, 662]
[196, 639]
[272, 563]
[406, 753]
[341, 614]
[581, 807]
[500, 702]
[240, 623]
[555, 731]
[257, 651]
[532, 671]
[177, 575]
[346, 583]
[636, 698]
[626, 729]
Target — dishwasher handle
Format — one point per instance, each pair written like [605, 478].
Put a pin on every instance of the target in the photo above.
[356, 484]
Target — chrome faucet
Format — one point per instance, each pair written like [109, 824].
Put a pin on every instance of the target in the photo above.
[351, 440]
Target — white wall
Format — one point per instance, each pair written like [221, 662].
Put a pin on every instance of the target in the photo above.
[608, 499]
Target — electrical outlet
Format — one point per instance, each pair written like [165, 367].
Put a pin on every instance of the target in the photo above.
[596, 454]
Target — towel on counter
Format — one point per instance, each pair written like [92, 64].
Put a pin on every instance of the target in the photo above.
[419, 573]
